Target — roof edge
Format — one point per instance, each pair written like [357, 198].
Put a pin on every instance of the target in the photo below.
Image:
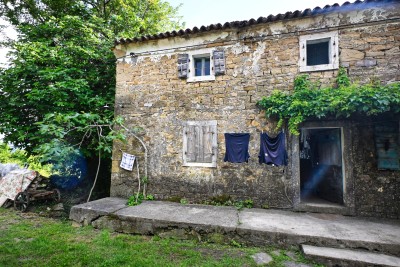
[261, 20]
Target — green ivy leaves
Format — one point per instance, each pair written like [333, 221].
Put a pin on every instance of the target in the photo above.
[307, 101]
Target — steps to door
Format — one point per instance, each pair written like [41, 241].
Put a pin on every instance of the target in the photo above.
[348, 257]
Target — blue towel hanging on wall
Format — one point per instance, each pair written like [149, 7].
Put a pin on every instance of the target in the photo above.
[272, 150]
[237, 147]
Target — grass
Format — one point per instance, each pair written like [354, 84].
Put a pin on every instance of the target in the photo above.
[27, 239]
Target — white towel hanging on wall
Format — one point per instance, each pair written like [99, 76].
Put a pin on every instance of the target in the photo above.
[127, 161]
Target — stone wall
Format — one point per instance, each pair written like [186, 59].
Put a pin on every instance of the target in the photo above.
[376, 191]
[260, 59]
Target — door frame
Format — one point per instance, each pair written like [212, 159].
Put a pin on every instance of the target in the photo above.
[348, 207]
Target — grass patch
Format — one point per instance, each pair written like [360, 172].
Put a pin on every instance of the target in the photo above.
[27, 239]
[30, 240]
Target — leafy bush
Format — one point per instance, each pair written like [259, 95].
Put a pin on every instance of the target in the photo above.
[309, 101]
[248, 203]
[135, 200]
[225, 200]
[20, 157]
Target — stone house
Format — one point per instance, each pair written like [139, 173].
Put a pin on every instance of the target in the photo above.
[185, 92]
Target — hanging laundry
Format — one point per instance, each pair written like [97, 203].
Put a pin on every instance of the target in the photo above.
[305, 149]
[272, 150]
[127, 161]
[237, 147]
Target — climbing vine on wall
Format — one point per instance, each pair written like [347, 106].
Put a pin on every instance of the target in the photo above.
[308, 101]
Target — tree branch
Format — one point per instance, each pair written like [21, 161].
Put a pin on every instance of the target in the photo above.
[97, 172]
[145, 155]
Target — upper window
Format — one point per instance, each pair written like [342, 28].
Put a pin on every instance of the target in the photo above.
[201, 65]
[319, 52]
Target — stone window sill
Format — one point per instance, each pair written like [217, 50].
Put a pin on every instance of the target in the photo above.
[323, 67]
[195, 164]
[201, 78]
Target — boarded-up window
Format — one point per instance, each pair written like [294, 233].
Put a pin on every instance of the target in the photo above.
[387, 146]
[200, 143]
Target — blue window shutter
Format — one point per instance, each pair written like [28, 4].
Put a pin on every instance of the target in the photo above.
[219, 62]
[183, 65]
[387, 147]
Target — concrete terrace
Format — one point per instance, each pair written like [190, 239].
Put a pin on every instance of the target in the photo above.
[257, 227]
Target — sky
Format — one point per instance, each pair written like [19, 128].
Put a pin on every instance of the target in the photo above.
[206, 12]
[3, 34]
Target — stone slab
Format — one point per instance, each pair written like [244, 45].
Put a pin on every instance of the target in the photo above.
[184, 214]
[87, 212]
[262, 258]
[369, 233]
[249, 226]
[347, 257]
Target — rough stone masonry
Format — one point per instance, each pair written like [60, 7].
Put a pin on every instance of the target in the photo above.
[259, 58]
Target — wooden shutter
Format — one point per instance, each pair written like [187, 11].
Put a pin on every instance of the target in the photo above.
[219, 62]
[387, 147]
[191, 149]
[200, 144]
[183, 65]
[207, 153]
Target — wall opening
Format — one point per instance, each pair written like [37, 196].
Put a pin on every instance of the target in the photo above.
[321, 165]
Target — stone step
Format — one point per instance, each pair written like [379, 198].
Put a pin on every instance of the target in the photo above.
[348, 257]
[248, 226]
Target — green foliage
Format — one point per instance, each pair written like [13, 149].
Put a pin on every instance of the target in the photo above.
[176, 199]
[342, 79]
[61, 68]
[145, 179]
[225, 200]
[184, 201]
[150, 197]
[73, 136]
[62, 75]
[221, 199]
[20, 157]
[92, 133]
[135, 200]
[265, 206]
[236, 244]
[123, 18]
[129, 18]
[247, 203]
[308, 101]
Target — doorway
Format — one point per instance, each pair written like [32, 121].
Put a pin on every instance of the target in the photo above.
[321, 165]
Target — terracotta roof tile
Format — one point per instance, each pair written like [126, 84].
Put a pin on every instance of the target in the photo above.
[244, 23]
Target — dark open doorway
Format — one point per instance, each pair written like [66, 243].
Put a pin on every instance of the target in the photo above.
[321, 172]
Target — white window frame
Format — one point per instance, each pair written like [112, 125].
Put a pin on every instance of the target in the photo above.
[206, 52]
[333, 37]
